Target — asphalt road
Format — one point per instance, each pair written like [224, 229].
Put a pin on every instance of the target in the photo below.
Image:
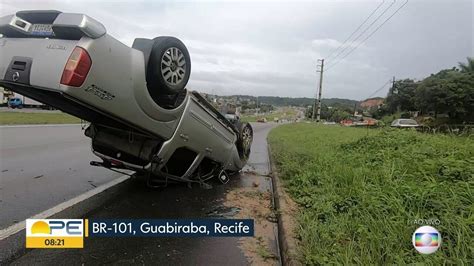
[42, 166]
[175, 201]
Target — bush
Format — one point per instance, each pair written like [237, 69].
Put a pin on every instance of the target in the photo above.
[405, 115]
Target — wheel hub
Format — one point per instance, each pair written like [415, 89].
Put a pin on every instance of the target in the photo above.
[173, 66]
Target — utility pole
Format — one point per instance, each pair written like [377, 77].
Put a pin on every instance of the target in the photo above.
[317, 104]
[256, 108]
[395, 92]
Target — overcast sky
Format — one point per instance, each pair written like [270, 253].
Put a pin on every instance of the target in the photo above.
[271, 47]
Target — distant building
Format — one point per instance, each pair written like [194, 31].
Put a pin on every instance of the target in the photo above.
[372, 102]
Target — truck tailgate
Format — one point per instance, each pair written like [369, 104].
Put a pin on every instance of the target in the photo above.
[48, 58]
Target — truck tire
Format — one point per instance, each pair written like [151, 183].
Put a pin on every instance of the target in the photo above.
[168, 68]
[244, 142]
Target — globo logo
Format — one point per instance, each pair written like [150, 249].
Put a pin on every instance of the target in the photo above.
[426, 239]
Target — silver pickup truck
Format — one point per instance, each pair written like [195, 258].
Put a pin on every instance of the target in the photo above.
[141, 116]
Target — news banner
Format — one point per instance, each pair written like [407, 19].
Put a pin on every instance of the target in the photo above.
[70, 233]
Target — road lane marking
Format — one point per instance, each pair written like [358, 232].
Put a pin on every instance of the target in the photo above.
[39, 125]
[15, 228]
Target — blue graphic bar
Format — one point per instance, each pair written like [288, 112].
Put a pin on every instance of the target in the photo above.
[171, 228]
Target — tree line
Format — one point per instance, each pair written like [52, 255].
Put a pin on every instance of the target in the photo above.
[449, 92]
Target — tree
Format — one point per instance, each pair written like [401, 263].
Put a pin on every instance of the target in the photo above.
[332, 114]
[449, 91]
[467, 67]
[339, 115]
[401, 96]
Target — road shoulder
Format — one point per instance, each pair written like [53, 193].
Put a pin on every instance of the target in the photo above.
[286, 210]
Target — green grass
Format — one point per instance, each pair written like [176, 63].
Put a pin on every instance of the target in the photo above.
[361, 190]
[20, 118]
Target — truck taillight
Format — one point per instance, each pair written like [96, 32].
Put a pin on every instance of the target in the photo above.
[77, 67]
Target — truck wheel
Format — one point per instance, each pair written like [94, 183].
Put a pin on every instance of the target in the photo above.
[245, 141]
[169, 67]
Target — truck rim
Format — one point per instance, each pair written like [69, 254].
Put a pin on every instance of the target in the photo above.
[246, 138]
[173, 66]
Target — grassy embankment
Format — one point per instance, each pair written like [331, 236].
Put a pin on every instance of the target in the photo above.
[20, 118]
[360, 192]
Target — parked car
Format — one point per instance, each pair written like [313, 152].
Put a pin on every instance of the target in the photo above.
[15, 103]
[141, 115]
[404, 123]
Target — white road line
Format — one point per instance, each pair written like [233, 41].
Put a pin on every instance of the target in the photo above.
[40, 125]
[13, 229]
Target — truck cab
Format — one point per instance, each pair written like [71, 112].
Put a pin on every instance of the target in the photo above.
[15, 103]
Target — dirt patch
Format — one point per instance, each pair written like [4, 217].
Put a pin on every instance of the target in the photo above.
[256, 204]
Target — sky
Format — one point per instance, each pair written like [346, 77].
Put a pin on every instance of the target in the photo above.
[272, 48]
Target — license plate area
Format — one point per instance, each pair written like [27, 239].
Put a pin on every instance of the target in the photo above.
[42, 30]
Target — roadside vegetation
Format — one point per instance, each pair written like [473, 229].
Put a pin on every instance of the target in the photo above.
[24, 118]
[281, 113]
[449, 93]
[443, 98]
[361, 191]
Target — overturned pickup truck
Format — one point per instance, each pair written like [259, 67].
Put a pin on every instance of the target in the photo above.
[141, 116]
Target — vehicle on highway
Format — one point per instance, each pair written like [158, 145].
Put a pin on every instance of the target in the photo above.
[141, 116]
[26, 102]
[15, 103]
[404, 123]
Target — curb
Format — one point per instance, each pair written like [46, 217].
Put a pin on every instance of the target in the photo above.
[286, 237]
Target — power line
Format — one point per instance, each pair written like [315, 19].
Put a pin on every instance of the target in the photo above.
[379, 89]
[352, 34]
[366, 29]
[372, 33]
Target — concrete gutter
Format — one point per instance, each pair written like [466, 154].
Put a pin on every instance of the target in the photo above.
[285, 208]
[12, 238]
